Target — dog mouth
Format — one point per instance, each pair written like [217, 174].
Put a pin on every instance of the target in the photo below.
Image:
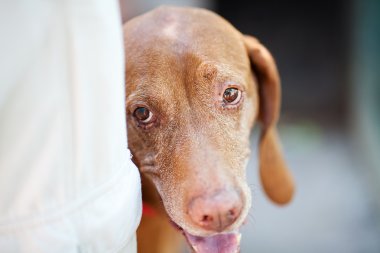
[219, 243]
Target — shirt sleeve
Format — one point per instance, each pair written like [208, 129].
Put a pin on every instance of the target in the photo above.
[67, 183]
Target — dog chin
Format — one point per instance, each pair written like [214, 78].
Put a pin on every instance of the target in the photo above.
[217, 243]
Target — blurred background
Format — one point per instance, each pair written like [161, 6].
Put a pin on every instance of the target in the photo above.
[328, 55]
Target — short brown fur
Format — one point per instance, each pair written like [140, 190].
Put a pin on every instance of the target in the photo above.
[179, 61]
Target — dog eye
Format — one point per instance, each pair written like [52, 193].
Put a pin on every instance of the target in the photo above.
[231, 96]
[143, 114]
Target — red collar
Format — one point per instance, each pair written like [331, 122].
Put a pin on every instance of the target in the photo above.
[148, 210]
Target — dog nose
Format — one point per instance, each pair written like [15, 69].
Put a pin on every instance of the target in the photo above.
[216, 212]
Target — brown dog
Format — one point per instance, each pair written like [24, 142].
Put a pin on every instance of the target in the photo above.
[195, 86]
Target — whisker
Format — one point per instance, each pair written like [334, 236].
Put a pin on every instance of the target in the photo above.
[251, 220]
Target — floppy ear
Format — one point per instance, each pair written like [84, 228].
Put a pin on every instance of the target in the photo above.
[275, 176]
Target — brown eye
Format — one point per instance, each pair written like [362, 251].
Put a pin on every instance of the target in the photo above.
[231, 96]
[143, 114]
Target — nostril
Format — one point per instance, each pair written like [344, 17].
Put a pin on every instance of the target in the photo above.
[232, 214]
[207, 218]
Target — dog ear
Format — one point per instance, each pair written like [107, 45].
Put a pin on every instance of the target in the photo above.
[275, 176]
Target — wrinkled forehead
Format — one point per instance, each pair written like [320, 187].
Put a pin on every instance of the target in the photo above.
[183, 35]
[155, 72]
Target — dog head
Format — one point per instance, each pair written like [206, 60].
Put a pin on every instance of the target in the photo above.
[195, 87]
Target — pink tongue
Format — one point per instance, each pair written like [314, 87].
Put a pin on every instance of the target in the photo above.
[222, 243]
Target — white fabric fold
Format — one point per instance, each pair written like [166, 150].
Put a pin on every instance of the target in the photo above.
[67, 183]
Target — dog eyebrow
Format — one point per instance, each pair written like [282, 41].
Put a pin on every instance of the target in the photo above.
[141, 96]
[220, 73]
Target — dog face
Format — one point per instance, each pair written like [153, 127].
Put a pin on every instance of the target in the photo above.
[192, 99]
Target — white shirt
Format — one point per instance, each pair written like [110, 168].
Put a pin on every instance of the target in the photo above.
[67, 183]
